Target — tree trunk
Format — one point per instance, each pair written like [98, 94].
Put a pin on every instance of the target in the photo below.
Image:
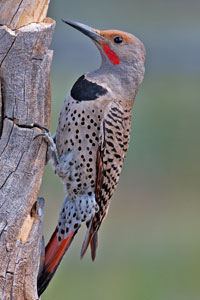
[25, 100]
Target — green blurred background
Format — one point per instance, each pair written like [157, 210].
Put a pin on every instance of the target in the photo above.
[149, 245]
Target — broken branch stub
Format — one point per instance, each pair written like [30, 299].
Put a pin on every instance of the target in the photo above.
[17, 13]
[25, 100]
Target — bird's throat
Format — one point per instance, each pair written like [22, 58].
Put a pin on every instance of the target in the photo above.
[112, 56]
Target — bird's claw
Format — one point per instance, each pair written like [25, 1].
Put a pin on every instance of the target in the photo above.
[50, 140]
[47, 137]
[41, 127]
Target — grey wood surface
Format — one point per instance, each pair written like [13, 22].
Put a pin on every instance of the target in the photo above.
[25, 103]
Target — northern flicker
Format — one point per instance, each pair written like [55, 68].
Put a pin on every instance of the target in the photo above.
[92, 139]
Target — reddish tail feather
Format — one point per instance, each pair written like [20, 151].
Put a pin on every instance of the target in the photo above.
[91, 238]
[54, 252]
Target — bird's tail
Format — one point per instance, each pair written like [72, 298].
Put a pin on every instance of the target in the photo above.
[91, 238]
[54, 252]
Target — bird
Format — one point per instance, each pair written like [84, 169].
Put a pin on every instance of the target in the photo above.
[91, 140]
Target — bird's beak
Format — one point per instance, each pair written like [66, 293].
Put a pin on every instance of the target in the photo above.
[89, 31]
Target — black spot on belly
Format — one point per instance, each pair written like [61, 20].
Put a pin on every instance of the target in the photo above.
[85, 90]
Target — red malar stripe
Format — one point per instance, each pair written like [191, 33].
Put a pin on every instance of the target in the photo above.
[111, 54]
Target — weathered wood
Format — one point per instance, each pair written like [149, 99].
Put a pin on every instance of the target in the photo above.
[1, 110]
[17, 13]
[24, 106]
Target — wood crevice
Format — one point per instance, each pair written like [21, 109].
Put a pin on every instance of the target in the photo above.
[25, 106]
[16, 11]
[8, 51]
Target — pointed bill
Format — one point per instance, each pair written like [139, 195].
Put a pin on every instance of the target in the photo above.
[87, 30]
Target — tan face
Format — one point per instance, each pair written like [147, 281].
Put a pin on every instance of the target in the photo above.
[117, 46]
[120, 46]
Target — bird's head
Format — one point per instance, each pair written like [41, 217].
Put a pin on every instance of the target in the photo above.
[115, 46]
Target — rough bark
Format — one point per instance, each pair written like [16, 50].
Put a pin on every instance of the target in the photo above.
[24, 106]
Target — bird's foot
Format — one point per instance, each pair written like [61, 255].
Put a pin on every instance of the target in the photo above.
[51, 142]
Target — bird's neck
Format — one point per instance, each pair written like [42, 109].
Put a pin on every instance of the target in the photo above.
[123, 79]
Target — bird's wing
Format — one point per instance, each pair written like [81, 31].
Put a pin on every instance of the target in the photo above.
[113, 144]
[91, 235]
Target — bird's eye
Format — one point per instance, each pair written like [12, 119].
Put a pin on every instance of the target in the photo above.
[118, 39]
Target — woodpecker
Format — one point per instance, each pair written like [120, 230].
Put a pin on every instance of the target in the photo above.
[91, 140]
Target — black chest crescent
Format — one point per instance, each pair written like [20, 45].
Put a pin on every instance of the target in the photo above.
[85, 90]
